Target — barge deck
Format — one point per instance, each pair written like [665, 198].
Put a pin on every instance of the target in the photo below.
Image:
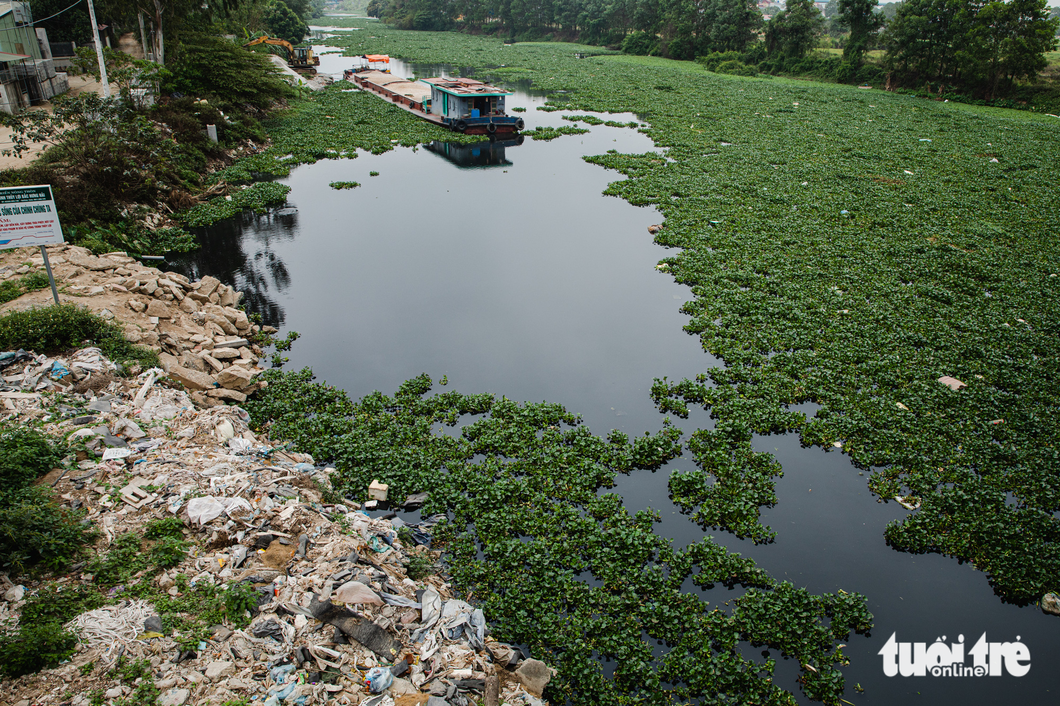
[460, 104]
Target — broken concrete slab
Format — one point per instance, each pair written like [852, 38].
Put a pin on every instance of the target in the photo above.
[192, 379]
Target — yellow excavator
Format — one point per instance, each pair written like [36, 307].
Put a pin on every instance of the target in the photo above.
[297, 57]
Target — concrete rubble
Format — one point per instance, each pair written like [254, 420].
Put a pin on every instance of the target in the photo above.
[335, 599]
[204, 341]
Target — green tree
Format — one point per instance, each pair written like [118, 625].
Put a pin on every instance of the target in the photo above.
[302, 8]
[282, 22]
[70, 26]
[864, 23]
[793, 32]
[979, 46]
[213, 67]
[694, 28]
[1006, 42]
[734, 24]
[921, 41]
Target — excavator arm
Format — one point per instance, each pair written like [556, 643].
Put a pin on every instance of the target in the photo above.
[272, 40]
[298, 58]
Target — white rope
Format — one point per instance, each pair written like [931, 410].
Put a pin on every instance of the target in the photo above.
[111, 626]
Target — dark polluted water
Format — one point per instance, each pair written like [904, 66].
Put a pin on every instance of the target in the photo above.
[504, 268]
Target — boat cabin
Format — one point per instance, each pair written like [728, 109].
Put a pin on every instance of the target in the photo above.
[372, 62]
[455, 99]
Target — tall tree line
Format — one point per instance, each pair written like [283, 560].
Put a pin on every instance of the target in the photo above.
[165, 20]
[979, 45]
[973, 43]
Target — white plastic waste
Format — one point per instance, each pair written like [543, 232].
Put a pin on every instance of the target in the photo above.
[203, 510]
[355, 592]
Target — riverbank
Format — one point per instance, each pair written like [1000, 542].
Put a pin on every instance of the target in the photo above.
[224, 566]
[201, 338]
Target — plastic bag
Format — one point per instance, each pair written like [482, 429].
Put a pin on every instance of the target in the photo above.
[378, 679]
[432, 607]
[279, 673]
[239, 445]
[203, 510]
[356, 592]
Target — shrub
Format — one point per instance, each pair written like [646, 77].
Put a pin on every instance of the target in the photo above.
[136, 674]
[736, 68]
[34, 647]
[14, 288]
[122, 561]
[132, 238]
[166, 527]
[239, 599]
[58, 603]
[224, 72]
[169, 552]
[419, 566]
[641, 44]
[95, 173]
[188, 118]
[35, 530]
[711, 61]
[32, 527]
[58, 328]
[34, 281]
[25, 455]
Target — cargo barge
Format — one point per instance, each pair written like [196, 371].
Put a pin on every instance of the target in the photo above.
[459, 104]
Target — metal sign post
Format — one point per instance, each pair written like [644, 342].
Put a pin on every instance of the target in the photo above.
[51, 277]
[27, 218]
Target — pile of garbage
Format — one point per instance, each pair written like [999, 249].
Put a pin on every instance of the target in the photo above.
[338, 618]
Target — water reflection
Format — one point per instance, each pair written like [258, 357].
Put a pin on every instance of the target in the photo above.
[240, 252]
[487, 153]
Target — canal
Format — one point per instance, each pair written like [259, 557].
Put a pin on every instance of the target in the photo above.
[505, 269]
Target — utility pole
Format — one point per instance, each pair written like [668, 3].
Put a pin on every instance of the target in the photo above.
[99, 50]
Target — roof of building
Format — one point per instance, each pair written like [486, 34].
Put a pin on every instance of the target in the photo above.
[466, 87]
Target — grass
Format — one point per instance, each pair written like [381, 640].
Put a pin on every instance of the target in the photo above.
[53, 329]
[11, 289]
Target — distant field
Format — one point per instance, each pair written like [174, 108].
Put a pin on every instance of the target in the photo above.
[874, 54]
[1053, 58]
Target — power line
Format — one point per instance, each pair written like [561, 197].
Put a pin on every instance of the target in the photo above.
[37, 22]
